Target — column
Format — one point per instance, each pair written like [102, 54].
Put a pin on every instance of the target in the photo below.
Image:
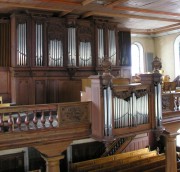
[171, 160]
[52, 163]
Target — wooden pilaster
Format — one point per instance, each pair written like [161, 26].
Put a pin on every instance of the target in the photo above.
[52, 163]
[171, 161]
[51, 153]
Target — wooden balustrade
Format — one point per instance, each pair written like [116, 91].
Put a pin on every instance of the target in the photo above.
[34, 117]
[171, 101]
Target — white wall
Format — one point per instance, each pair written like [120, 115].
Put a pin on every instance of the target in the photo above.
[162, 47]
[147, 44]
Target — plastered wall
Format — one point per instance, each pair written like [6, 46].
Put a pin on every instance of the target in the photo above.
[162, 47]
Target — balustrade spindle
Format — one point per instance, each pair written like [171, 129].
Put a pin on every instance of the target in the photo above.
[43, 119]
[18, 121]
[35, 120]
[50, 119]
[177, 103]
[26, 121]
[1, 123]
[10, 122]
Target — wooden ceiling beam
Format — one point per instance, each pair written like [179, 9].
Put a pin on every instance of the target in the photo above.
[115, 3]
[28, 6]
[145, 11]
[93, 13]
[85, 2]
[62, 1]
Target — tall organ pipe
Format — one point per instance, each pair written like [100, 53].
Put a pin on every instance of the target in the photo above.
[108, 111]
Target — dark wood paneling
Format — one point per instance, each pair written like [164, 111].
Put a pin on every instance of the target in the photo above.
[5, 46]
[139, 142]
[23, 91]
[125, 48]
[5, 84]
[40, 91]
[69, 91]
[12, 162]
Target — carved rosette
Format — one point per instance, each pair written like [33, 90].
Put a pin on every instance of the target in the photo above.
[166, 99]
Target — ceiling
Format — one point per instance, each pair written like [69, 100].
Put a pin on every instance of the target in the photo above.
[140, 16]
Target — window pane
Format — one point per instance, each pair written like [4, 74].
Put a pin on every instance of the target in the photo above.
[137, 59]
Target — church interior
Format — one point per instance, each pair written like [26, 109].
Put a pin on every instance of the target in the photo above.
[89, 86]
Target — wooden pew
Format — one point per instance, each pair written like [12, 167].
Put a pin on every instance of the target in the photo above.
[121, 161]
[151, 163]
[111, 158]
[120, 167]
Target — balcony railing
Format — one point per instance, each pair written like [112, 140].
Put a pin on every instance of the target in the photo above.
[44, 116]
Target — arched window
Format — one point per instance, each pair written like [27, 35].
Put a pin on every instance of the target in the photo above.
[178, 139]
[137, 58]
[177, 55]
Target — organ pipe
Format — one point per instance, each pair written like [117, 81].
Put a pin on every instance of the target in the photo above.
[55, 53]
[107, 111]
[132, 112]
[39, 45]
[100, 46]
[21, 44]
[85, 57]
[158, 105]
[112, 46]
[72, 46]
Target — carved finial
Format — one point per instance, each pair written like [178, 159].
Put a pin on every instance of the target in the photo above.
[106, 77]
[106, 65]
[156, 65]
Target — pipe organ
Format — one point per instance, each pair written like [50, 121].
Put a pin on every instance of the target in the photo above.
[130, 112]
[48, 49]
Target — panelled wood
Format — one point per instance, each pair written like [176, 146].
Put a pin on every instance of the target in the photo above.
[5, 45]
[5, 80]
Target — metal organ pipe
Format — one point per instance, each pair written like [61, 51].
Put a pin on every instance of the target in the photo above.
[21, 45]
[108, 111]
[130, 113]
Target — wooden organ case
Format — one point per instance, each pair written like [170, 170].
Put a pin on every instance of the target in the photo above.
[50, 55]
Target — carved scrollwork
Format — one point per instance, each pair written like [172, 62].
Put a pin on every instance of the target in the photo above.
[166, 102]
[128, 93]
[141, 93]
[74, 114]
[122, 94]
